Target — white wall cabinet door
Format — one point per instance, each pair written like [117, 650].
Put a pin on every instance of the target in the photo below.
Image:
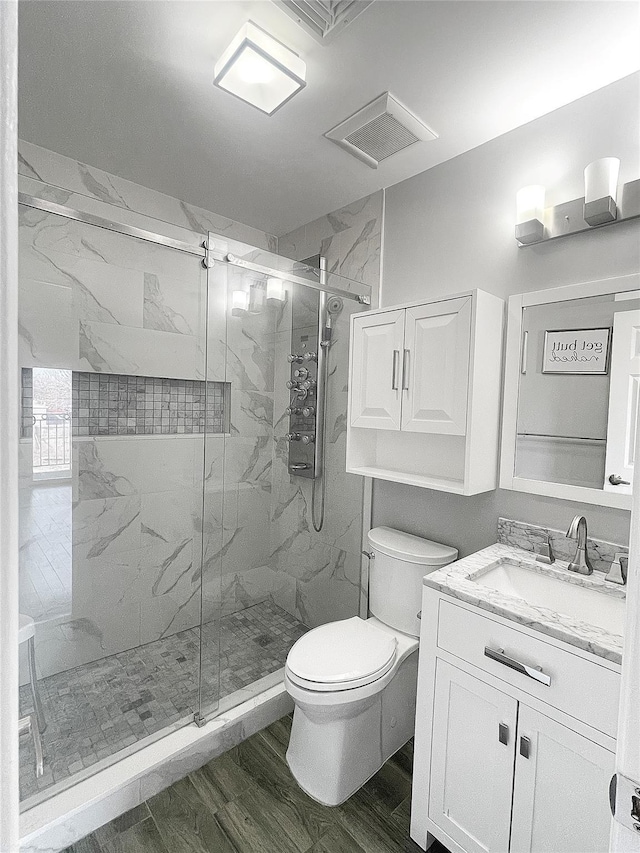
[561, 792]
[375, 392]
[472, 765]
[623, 400]
[435, 375]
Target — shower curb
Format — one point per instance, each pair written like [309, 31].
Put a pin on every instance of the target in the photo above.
[77, 811]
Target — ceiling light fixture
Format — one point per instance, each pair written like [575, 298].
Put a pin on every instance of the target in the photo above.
[260, 70]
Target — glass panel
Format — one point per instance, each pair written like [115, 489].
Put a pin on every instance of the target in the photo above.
[112, 334]
[269, 572]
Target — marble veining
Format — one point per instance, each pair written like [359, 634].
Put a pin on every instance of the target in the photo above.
[529, 537]
[458, 581]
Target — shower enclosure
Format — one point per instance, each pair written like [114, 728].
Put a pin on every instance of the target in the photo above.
[191, 516]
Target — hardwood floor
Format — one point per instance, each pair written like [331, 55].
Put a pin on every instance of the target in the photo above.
[246, 801]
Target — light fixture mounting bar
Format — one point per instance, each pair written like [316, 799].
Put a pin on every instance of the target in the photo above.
[567, 218]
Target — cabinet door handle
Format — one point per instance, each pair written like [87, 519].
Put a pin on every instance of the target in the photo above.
[394, 370]
[616, 480]
[503, 733]
[525, 747]
[530, 671]
[405, 370]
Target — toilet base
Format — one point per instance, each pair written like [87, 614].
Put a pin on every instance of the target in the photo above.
[334, 750]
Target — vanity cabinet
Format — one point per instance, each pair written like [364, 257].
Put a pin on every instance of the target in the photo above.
[424, 393]
[505, 763]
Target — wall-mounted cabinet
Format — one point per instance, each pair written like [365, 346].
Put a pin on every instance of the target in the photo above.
[424, 393]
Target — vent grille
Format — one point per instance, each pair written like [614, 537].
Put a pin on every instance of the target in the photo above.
[323, 19]
[380, 129]
[382, 137]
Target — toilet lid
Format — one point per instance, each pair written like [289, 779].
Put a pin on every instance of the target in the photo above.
[351, 651]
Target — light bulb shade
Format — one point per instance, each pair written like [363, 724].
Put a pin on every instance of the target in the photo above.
[601, 191]
[256, 299]
[260, 70]
[275, 290]
[239, 303]
[530, 214]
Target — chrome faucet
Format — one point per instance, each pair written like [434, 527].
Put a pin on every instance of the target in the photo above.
[578, 530]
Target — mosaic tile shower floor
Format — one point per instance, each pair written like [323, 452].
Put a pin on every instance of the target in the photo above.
[97, 709]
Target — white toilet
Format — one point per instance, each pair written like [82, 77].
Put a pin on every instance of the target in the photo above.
[353, 682]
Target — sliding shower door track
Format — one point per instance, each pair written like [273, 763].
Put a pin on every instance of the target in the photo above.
[109, 224]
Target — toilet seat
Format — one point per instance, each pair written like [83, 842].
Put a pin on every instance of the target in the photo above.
[341, 656]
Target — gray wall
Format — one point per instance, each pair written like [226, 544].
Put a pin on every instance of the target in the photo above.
[451, 229]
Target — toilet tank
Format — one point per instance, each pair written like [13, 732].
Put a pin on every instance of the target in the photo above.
[400, 562]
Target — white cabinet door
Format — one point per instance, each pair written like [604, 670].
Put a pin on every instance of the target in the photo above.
[623, 400]
[471, 765]
[374, 389]
[561, 793]
[435, 375]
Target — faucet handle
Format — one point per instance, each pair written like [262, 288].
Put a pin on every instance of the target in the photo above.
[544, 552]
[618, 569]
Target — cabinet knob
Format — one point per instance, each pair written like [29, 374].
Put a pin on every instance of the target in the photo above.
[503, 733]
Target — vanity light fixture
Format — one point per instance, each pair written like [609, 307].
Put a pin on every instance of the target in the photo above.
[260, 70]
[256, 298]
[276, 293]
[603, 204]
[601, 191]
[530, 214]
[239, 303]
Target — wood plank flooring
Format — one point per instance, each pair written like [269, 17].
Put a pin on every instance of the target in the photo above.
[246, 801]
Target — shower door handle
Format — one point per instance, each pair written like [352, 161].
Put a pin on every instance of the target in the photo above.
[405, 370]
[394, 370]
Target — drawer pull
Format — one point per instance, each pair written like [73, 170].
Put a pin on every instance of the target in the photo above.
[530, 671]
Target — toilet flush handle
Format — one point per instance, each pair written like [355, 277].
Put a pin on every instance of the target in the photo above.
[370, 554]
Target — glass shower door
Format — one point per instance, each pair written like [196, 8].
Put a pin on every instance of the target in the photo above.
[112, 341]
[268, 573]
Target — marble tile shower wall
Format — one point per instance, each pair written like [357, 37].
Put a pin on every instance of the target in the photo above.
[67, 181]
[322, 570]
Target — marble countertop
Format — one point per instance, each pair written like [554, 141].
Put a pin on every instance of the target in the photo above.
[459, 581]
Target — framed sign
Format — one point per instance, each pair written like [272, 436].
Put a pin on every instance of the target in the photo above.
[576, 351]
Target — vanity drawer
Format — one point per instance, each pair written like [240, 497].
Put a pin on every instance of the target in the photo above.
[579, 687]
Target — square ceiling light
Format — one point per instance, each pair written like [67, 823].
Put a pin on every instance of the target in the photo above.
[260, 70]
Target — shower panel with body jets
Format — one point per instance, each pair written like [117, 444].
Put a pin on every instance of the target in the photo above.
[309, 359]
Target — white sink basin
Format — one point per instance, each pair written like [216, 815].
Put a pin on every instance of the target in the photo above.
[545, 590]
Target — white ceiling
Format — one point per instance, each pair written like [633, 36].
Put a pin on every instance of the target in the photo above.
[127, 87]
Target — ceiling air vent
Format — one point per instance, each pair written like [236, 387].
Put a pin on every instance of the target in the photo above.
[382, 128]
[323, 19]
